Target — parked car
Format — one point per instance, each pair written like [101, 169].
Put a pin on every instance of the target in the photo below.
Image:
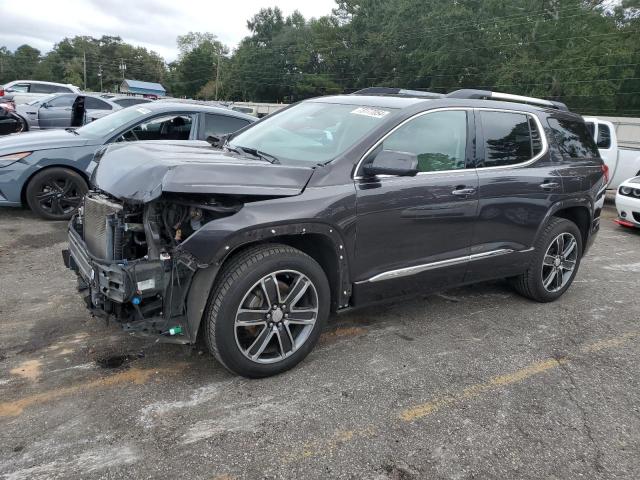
[47, 170]
[331, 204]
[56, 111]
[10, 121]
[623, 161]
[25, 91]
[628, 203]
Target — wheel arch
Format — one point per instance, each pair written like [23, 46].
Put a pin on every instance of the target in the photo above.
[579, 212]
[321, 242]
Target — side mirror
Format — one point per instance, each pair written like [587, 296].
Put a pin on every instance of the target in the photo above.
[387, 162]
[217, 141]
[45, 105]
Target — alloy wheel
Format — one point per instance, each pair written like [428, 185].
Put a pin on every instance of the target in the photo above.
[59, 196]
[559, 262]
[276, 316]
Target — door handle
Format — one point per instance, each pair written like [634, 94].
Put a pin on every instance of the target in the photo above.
[463, 192]
[549, 185]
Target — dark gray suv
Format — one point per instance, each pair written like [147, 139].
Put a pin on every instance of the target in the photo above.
[331, 204]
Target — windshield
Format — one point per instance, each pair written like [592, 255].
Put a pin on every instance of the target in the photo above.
[313, 132]
[106, 125]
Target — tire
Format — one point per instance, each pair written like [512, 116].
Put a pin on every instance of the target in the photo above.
[55, 193]
[533, 283]
[240, 285]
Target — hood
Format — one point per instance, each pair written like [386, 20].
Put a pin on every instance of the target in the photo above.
[43, 140]
[142, 171]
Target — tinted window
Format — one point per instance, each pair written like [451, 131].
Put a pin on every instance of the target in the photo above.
[43, 88]
[604, 136]
[172, 127]
[93, 103]
[61, 101]
[509, 138]
[222, 124]
[573, 138]
[438, 139]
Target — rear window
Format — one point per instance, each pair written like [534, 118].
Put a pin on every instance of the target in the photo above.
[509, 138]
[573, 138]
[604, 136]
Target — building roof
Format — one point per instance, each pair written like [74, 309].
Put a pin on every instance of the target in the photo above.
[137, 84]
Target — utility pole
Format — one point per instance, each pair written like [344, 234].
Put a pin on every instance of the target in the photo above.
[100, 76]
[217, 75]
[84, 67]
[123, 67]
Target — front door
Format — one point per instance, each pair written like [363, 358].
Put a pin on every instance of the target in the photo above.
[414, 233]
[56, 113]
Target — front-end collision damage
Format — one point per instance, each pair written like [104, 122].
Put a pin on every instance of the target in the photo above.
[147, 252]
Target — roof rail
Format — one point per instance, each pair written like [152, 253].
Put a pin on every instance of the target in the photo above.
[399, 92]
[488, 95]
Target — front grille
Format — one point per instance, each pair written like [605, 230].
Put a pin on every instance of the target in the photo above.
[98, 234]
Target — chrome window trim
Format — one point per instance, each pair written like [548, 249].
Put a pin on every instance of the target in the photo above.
[407, 271]
[543, 137]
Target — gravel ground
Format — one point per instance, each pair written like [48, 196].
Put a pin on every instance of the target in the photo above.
[473, 383]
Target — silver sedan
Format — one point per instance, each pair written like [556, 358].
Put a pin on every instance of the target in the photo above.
[56, 111]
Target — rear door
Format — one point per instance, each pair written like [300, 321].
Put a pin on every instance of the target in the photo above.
[414, 233]
[518, 183]
[56, 113]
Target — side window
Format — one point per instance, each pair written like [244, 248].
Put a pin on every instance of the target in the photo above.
[93, 103]
[573, 138]
[222, 124]
[604, 136]
[43, 88]
[61, 101]
[171, 127]
[20, 87]
[509, 138]
[61, 89]
[439, 140]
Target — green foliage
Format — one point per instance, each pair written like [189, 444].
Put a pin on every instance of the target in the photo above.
[583, 52]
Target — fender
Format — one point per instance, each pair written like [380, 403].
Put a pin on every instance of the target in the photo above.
[225, 246]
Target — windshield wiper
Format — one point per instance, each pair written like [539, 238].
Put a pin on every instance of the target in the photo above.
[255, 152]
[72, 130]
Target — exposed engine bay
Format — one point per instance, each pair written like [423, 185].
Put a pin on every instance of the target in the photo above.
[136, 270]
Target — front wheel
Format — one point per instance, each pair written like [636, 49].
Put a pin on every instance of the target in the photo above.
[555, 263]
[56, 193]
[267, 310]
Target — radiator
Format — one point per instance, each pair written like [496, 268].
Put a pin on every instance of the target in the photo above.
[98, 234]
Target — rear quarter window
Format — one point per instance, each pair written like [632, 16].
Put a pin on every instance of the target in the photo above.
[573, 138]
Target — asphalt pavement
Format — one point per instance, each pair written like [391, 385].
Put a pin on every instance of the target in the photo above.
[473, 383]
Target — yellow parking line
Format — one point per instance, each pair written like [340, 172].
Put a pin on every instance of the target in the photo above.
[134, 375]
[425, 409]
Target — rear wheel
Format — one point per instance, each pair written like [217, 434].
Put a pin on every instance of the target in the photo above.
[56, 193]
[555, 264]
[267, 310]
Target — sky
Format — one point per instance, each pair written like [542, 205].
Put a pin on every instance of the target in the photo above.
[153, 24]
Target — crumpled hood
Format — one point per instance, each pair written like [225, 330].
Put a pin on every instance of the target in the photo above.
[141, 171]
[42, 140]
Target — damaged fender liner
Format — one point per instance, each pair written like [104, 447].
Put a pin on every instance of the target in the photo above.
[141, 173]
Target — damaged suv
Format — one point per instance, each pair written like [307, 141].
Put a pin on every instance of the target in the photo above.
[334, 203]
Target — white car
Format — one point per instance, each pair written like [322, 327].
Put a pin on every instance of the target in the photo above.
[25, 91]
[628, 203]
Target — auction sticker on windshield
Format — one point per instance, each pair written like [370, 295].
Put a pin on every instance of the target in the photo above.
[370, 112]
